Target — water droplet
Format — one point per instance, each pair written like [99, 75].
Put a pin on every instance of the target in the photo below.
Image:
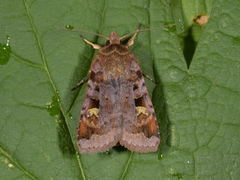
[170, 27]
[69, 27]
[178, 175]
[175, 74]
[53, 107]
[10, 165]
[5, 51]
[160, 156]
[70, 116]
[146, 6]
[171, 171]
[196, 86]
[8, 41]
[108, 152]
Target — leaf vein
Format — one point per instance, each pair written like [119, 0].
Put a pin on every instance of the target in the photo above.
[13, 161]
[26, 61]
[44, 61]
[127, 166]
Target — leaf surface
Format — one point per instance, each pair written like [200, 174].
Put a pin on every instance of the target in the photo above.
[198, 108]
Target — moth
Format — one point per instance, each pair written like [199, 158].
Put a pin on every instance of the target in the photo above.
[117, 108]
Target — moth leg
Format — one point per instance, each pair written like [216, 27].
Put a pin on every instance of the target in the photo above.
[85, 79]
[151, 79]
[131, 40]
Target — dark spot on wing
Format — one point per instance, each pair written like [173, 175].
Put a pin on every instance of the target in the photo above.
[96, 89]
[135, 87]
[96, 76]
[139, 74]
[93, 103]
[139, 102]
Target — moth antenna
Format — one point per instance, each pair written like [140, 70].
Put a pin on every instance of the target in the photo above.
[131, 34]
[85, 32]
[157, 28]
[144, 30]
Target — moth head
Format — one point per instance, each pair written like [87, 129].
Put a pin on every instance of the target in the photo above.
[114, 39]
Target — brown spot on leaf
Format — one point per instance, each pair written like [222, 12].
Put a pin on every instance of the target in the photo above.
[201, 19]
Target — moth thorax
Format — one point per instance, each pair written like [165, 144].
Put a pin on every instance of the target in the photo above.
[114, 39]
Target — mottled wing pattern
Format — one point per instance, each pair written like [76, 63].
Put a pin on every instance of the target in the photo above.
[99, 127]
[117, 108]
[140, 128]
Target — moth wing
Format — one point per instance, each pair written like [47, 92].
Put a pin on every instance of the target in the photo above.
[140, 128]
[99, 128]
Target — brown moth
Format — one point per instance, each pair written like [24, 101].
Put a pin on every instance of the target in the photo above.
[117, 107]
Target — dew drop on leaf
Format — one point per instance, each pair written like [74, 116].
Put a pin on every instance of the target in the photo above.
[160, 156]
[178, 175]
[70, 116]
[69, 27]
[146, 6]
[170, 27]
[53, 106]
[158, 41]
[10, 165]
[5, 51]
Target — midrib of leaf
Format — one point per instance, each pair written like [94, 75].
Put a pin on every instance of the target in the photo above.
[128, 163]
[45, 65]
[93, 52]
[13, 161]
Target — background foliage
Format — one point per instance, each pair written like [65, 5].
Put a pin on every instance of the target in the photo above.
[198, 108]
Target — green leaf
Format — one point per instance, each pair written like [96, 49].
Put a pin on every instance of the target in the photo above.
[198, 108]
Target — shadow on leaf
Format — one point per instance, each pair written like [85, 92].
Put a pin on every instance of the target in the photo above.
[81, 70]
[160, 106]
[189, 47]
[64, 138]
